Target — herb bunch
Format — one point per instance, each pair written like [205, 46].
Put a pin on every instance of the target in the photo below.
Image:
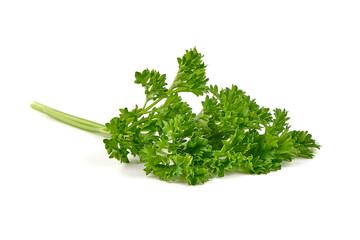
[230, 134]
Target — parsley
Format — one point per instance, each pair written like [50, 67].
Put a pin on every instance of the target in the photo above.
[231, 132]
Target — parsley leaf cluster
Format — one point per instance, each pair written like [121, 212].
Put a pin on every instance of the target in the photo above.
[231, 133]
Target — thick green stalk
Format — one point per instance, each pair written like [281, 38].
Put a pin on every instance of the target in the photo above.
[71, 120]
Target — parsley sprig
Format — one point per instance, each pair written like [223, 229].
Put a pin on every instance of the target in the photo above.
[231, 133]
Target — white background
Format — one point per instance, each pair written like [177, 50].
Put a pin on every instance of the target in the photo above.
[56, 182]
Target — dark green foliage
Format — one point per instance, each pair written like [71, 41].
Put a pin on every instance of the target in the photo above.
[231, 133]
[153, 82]
[191, 75]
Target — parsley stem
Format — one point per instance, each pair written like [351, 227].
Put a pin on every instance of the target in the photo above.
[156, 102]
[71, 120]
[199, 115]
[145, 104]
[153, 104]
